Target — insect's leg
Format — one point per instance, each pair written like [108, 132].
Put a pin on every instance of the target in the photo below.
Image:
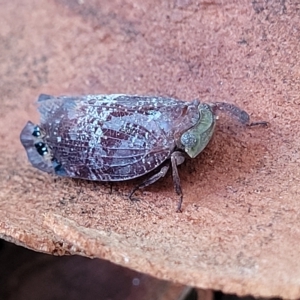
[233, 110]
[163, 171]
[241, 115]
[177, 158]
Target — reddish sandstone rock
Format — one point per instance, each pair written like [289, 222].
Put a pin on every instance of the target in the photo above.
[238, 231]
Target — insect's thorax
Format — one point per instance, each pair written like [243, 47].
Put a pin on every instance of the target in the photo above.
[194, 140]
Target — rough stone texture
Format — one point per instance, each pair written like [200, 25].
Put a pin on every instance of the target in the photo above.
[239, 230]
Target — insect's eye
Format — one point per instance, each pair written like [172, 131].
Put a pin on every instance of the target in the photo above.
[41, 148]
[36, 131]
[188, 140]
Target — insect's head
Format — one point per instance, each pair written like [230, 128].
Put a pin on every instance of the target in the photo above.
[196, 138]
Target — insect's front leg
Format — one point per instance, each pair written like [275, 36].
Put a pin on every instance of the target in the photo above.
[177, 158]
[241, 115]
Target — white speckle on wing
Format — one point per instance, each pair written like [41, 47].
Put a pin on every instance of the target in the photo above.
[99, 132]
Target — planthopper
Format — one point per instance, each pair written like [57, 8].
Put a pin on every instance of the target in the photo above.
[120, 137]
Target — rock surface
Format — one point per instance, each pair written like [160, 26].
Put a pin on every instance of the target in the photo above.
[239, 229]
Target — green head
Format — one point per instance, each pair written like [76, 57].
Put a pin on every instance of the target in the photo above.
[196, 138]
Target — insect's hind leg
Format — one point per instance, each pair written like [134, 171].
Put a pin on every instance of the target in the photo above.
[163, 171]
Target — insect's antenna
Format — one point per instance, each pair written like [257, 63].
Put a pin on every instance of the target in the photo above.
[242, 116]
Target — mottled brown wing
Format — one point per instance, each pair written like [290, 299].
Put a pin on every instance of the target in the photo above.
[112, 137]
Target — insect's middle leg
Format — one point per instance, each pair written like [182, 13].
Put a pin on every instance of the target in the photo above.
[163, 171]
[177, 158]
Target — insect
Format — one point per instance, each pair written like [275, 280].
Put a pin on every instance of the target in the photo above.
[120, 137]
